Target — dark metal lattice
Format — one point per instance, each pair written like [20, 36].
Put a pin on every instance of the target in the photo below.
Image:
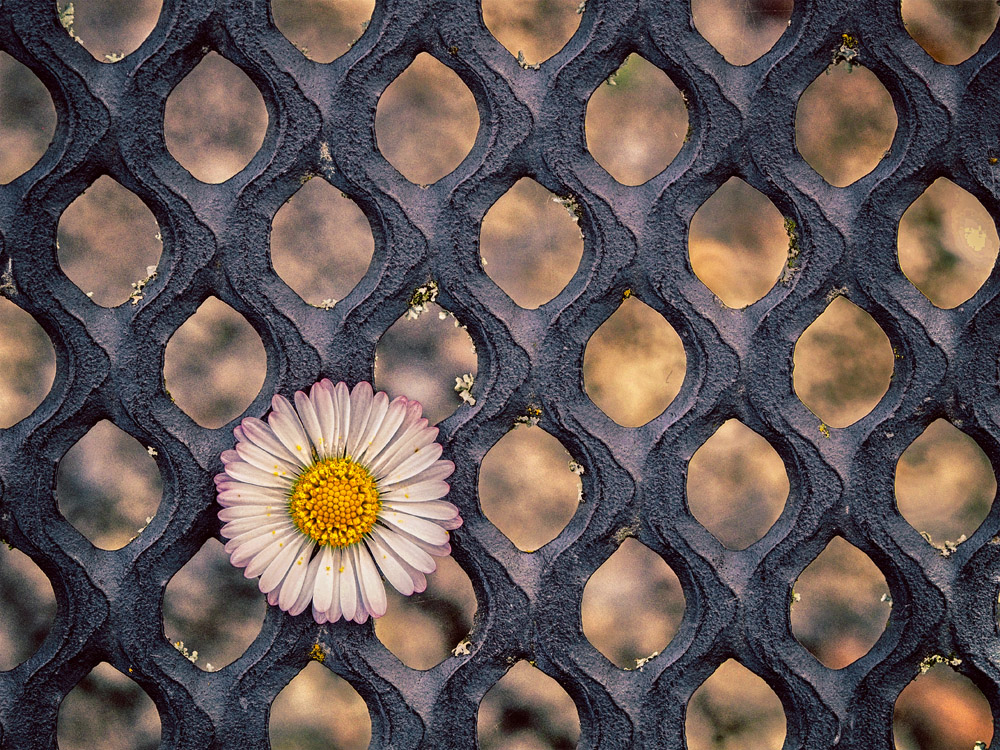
[739, 362]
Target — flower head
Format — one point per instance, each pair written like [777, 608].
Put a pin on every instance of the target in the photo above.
[330, 492]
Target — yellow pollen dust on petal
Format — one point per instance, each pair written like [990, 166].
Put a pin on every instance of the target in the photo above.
[335, 502]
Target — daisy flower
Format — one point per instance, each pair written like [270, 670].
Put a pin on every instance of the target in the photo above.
[330, 492]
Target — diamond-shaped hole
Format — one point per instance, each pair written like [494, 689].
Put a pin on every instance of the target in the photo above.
[426, 121]
[27, 363]
[947, 243]
[214, 365]
[526, 487]
[209, 607]
[343, 722]
[423, 629]
[531, 246]
[323, 30]
[634, 574]
[108, 486]
[634, 364]
[734, 708]
[944, 484]
[843, 364]
[110, 29]
[942, 709]
[950, 31]
[527, 709]
[215, 120]
[27, 119]
[94, 230]
[27, 607]
[742, 32]
[844, 124]
[424, 358]
[738, 244]
[637, 125]
[736, 485]
[534, 29]
[840, 605]
[321, 243]
[107, 709]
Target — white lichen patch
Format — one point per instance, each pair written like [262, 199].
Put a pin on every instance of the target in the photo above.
[462, 649]
[525, 64]
[934, 659]
[463, 387]
[66, 18]
[530, 418]
[947, 548]
[113, 57]
[7, 286]
[847, 52]
[421, 298]
[138, 286]
[576, 468]
[640, 663]
[191, 657]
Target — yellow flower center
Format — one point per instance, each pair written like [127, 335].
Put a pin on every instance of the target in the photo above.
[335, 501]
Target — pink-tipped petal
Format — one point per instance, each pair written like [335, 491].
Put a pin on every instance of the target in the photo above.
[261, 435]
[372, 590]
[309, 419]
[390, 565]
[348, 587]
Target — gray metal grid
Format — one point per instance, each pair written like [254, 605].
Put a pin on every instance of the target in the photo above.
[215, 238]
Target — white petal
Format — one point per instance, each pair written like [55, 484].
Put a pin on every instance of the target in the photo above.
[361, 406]
[372, 590]
[244, 472]
[348, 587]
[305, 596]
[289, 430]
[395, 413]
[276, 570]
[438, 470]
[240, 526]
[376, 415]
[323, 587]
[322, 397]
[405, 549]
[438, 510]
[342, 407]
[437, 550]
[390, 565]
[237, 538]
[295, 580]
[415, 493]
[310, 421]
[362, 611]
[245, 546]
[239, 493]
[428, 531]
[412, 433]
[265, 513]
[334, 612]
[263, 437]
[264, 558]
[266, 461]
[414, 464]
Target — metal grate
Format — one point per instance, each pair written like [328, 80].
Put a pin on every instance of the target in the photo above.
[109, 361]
